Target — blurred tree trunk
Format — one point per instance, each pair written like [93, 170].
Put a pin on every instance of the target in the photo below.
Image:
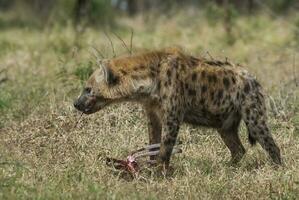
[138, 6]
[40, 7]
[132, 7]
[219, 2]
[250, 6]
[228, 21]
[80, 10]
[245, 5]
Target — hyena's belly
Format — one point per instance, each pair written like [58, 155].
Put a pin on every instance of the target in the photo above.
[203, 117]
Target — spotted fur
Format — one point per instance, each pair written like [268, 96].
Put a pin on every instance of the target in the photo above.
[176, 88]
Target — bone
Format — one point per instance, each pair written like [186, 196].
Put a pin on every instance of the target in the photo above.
[153, 153]
[146, 148]
[149, 147]
[148, 153]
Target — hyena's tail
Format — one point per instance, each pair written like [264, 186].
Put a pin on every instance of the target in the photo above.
[254, 115]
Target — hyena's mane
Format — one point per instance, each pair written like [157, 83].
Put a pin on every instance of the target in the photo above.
[140, 71]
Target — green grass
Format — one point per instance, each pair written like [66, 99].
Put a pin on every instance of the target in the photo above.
[43, 156]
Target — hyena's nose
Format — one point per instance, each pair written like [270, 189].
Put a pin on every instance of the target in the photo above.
[77, 104]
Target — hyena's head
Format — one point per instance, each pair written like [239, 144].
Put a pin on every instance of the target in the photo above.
[98, 90]
[115, 80]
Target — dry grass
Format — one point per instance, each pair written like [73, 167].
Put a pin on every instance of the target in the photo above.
[43, 156]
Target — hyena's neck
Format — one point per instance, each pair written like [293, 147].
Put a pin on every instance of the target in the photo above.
[140, 74]
[142, 77]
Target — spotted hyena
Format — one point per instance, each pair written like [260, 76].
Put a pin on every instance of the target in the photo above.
[173, 88]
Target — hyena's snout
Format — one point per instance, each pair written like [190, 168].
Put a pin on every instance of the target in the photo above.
[78, 105]
[85, 104]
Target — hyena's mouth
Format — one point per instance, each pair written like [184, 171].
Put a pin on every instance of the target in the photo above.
[88, 110]
[94, 106]
[90, 107]
[90, 104]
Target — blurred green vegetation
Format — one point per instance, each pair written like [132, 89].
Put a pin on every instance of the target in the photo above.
[84, 70]
[100, 13]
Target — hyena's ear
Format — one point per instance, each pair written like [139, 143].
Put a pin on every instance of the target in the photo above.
[110, 77]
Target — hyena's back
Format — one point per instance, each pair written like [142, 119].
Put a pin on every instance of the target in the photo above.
[220, 95]
[212, 93]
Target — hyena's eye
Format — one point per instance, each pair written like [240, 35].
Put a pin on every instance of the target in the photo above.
[87, 89]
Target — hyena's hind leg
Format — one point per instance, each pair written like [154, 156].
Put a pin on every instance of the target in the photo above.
[230, 137]
[255, 118]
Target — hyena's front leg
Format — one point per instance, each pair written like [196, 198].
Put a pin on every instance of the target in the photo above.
[154, 128]
[171, 93]
[170, 129]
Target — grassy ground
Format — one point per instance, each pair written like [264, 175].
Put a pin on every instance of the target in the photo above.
[43, 156]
